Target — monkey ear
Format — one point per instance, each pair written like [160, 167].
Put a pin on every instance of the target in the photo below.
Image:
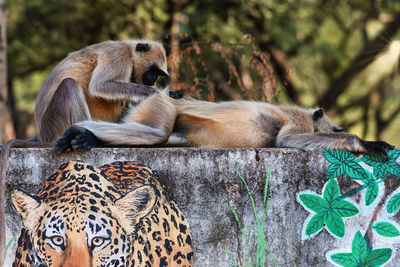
[318, 114]
[142, 48]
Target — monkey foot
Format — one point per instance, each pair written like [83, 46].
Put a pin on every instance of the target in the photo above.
[377, 147]
[76, 137]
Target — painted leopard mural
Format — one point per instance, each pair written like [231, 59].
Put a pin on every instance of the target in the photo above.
[115, 215]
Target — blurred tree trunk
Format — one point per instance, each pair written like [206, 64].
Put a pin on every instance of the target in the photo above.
[6, 126]
[4, 117]
[174, 41]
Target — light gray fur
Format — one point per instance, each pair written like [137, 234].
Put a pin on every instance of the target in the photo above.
[127, 133]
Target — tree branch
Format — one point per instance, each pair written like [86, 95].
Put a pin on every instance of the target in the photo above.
[359, 63]
[281, 62]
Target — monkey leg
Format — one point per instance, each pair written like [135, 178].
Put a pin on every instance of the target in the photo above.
[150, 123]
[67, 107]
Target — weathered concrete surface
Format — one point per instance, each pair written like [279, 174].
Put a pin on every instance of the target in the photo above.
[203, 183]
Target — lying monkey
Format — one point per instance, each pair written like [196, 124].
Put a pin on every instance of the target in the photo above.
[224, 124]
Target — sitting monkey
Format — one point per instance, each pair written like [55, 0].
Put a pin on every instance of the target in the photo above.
[96, 82]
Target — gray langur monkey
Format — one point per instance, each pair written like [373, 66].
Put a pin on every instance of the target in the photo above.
[224, 124]
[97, 82]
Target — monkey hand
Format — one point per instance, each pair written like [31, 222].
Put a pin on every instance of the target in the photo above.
[378, 148]
[176, 94]
[76, 137]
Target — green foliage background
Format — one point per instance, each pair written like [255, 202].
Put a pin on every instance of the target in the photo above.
[291, 51]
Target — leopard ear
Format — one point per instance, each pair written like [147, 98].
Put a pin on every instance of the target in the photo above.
[135, 205]
[26, 206]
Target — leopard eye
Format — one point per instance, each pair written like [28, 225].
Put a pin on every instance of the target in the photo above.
[57, 240]
[97, 241]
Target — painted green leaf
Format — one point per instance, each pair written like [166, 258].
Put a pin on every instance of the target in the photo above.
[314, 203]
[345, 208]
[394, 154]
[347, 156]
[335, 224]
[371, 194]
[335, 170]
[331, 190]
[381, 166]
[394, 204]
[329, 208]
[315, 224]
[344, 259]
[362, 254]
[333, 156]
[393, 168]
[359, 246]
[380, 172]
[355, 171]
[379, 256]
[373, 160]
[386, 229]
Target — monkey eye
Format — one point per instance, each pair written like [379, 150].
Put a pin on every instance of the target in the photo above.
[337, 129]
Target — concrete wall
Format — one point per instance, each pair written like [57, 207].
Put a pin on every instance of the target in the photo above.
[203, 183]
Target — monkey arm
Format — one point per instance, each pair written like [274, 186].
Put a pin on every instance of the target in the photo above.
[121, 90]
[110, 78]
[347, 141]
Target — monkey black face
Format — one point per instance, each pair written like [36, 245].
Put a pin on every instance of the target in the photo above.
[323, 124]
[155, 74]
[142, 48]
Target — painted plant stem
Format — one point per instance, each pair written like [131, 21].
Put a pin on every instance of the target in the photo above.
[352, 192]
[374, 216]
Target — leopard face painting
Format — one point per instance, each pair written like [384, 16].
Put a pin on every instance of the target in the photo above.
[114, 215]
